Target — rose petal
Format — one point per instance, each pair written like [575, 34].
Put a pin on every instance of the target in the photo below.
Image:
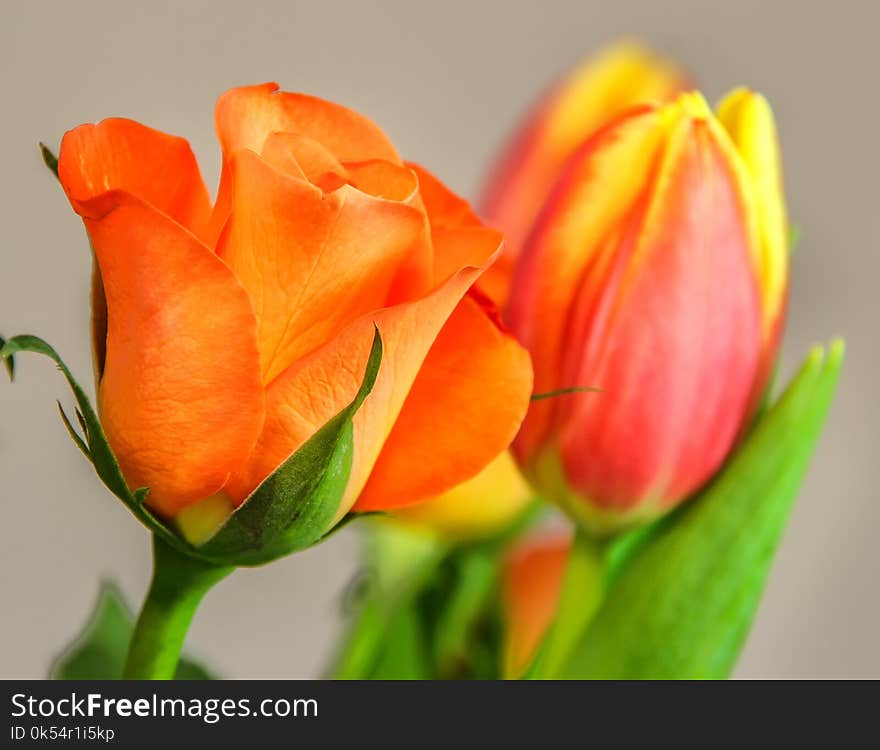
[319, 386]
[464, 408]
[311, 261]
[181, 399]
[119, 154]
[246, 117]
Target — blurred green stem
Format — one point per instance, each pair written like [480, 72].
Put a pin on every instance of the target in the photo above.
[178, 585]
[399, 561]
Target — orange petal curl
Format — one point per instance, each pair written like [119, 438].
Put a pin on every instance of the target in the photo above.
[465, 407]
[157, 168]
[311, 261]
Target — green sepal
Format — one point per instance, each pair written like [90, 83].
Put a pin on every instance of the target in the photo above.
[682, 606]
[93, 442]
[99, 651]
[294, 505]
[289, 511]
[9, 361]
[49, 159]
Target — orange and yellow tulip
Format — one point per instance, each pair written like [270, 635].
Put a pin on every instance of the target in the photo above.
[227, 334]
[598, 90]
[656, 272]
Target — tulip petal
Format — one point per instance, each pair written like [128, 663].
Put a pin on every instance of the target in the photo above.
[311, 261]
[316, 387]
[748, 119]
[676, 353]
[598, 189]
[119, 154]
[181, 399]
[597, 91]
[464, 408]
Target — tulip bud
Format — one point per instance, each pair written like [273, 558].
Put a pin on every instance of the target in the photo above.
[656, 273]
[477, 508]
[599, 89]
[531, 587]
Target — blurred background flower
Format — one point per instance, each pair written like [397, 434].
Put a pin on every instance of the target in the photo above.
[655, 272]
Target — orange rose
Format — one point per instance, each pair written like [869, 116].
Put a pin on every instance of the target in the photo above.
[227, 335]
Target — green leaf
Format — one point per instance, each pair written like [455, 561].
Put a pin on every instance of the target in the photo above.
[293, 506]
[95, 445]
[99, 651]
[9, 361]
[49, 159]
[683, 605]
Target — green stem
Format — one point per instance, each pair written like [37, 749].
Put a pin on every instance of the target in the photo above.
[178, 585]
[583, 589]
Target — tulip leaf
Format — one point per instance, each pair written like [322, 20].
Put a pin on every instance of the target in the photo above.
[49, 159]
[94, 443]
[682, 606]
[294, 505]
[100, 650]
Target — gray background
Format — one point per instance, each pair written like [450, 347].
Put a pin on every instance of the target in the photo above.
[446, 80]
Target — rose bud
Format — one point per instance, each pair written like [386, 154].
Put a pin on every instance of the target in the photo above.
[655, 273]
[227, 335]
[599, 89]
[530, 591]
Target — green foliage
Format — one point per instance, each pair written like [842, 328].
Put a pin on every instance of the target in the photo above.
[289, 511]
[99, 651]
[682, 605]
[439, 598]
